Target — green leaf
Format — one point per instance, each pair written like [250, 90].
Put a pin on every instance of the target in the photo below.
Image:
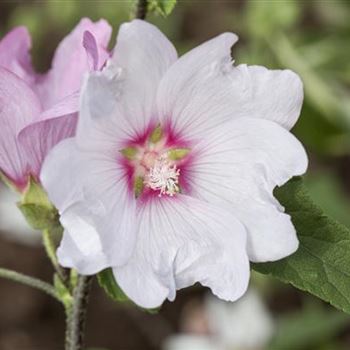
[163, 7]
[321, 266]
[37, 208]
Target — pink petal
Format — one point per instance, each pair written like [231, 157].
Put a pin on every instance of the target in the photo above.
[56, 124]
[19, 107]
[14, 54]
[97, 56]
[70, 62]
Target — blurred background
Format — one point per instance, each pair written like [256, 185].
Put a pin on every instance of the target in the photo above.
[310, 37]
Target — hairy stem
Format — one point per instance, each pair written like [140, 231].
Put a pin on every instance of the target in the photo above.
[141, 10]
[51, 253]
[76, 314]
[29, 281]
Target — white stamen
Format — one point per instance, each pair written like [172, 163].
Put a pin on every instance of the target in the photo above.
[163, 177]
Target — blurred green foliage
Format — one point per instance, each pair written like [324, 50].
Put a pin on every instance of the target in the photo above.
[313, 327]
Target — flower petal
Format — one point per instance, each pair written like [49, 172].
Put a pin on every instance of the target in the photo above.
[14, 54]
[90, 45]
[142, 56]
[237, 167]
[181, 241]
[70, 62]
[91, 194]
[58, 174]
[118, 103]
[102, 124]
[197, 87]
[38, 138]
[275, 95]
[19, 106]
[249, 314]
[85, 254]
[202, 90]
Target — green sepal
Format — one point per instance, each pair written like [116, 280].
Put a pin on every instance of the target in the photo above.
[178, 153]
[138, 186]
[37, 208]
[62, 292]
[156, 134]
[38, 217]
[107, 281]
[129, 152]
[162, 7]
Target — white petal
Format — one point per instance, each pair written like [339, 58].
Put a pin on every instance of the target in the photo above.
[237, 167]
[58, 174]
[143, 54]
[91, 193]
[102, 124]
[202, 90]
[248, 315]
[182, 241]
[184, 341]
[275, 95]
[119, 103]
[85, 254]
[194, 92]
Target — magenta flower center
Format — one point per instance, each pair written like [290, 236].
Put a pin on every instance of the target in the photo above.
[155, 162]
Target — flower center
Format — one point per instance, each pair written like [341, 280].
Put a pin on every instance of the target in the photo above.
[163, 177]
[154, 164]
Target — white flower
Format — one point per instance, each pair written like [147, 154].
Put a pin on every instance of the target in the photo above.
[174, 161]
[190, 342]
[246, 324]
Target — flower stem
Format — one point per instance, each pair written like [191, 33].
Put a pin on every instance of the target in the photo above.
[29, 281]
[51, 253]
[76, 314]
[141, 10]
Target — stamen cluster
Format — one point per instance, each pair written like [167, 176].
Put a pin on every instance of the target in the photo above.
[163, 177]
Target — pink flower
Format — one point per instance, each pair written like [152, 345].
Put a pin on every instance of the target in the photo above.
[169, 180]
[37, 111]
